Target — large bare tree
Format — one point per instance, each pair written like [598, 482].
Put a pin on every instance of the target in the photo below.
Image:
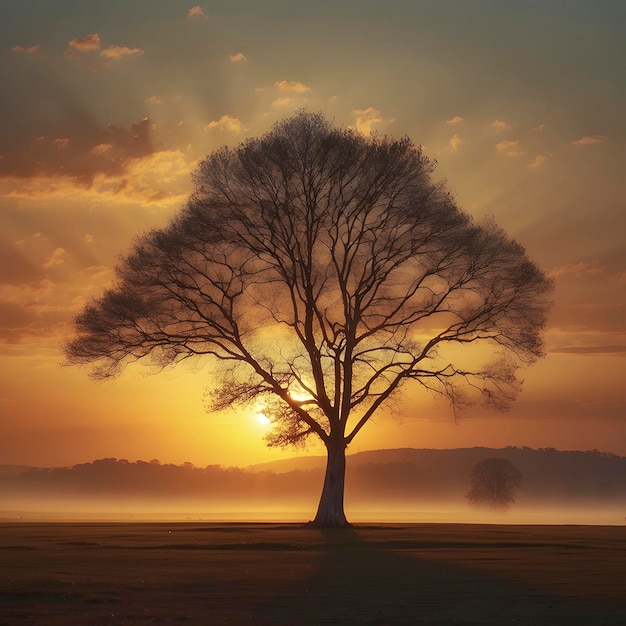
[321, 271]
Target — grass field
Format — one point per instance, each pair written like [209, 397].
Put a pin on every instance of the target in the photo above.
[201, 573]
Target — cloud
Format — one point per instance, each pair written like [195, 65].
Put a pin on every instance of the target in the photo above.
[226, 123]
[538, 162]
[197, 12]
[101, 271]
[587, 140]
[455, 142]
[591, 350]
[86, 44]
[101, 148]
[500, 125]
[34, 292]
[83, 154]
[510, 148]
[90, 43]
[154, 100]
[455, 120]
[57, 258]
[118, 52]
[40, 306]
[292, 86]
[29, 296]
[240, 57]
[30, 50]
[18, 322]
[16, 267]
[88, 238]
[160, 178]
[366, 118]
[582, 268]
[286, 102]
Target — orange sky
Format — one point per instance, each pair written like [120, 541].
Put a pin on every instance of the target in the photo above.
[104, 115]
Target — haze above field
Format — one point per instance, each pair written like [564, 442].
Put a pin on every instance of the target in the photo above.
[106, 111]
[382, 485]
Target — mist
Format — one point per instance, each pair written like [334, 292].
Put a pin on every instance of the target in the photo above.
[383, 486]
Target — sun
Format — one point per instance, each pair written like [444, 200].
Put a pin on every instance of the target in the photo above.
[263, 419]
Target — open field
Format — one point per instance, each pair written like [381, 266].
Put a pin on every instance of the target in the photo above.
[197, 573]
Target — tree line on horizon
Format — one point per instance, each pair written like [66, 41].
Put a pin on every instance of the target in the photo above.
[405, 475]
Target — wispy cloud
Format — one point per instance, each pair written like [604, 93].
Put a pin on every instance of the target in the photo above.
[92, 43]
[101, 148]
[118, 52]
[366, 118]
[197, 12]
[158, 178]
[538, 162]
[86, 44]
[89, 43]
[81, 155]
[457, 119]
[292, 86]
[500, 125]
[226, 123]
[582, 268]
[510, 148]
[617, 350]
[589, 140]
[56, 258]
[285, 102]
[32, 294]
[240, 57]
[455, 142]
[30, 50]
[154, 100]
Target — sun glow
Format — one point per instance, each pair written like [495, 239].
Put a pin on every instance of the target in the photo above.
[300, 395]
[263, 419]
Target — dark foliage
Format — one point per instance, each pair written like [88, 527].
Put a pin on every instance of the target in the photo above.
[493, 482]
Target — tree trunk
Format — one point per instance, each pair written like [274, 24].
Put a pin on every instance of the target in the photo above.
[330, 513]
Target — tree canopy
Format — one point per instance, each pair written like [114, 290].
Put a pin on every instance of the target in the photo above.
[320, 271]
[493, 482]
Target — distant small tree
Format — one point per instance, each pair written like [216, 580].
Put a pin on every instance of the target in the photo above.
[320, 272]
[493, 483]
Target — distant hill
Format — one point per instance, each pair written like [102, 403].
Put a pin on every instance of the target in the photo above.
[302, 463]
[382, 476]
[9, 471]
[547, 472]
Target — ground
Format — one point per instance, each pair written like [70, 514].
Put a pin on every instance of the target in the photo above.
[200, 573]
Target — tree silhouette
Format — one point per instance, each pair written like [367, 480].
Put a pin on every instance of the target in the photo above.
[321, 271]
[493, 482]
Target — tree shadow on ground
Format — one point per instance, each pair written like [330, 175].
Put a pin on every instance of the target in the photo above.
[244, 574]
[377, 583]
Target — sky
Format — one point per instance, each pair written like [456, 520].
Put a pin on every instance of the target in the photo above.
[106, 107]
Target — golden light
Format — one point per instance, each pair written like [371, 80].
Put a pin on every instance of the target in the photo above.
[300, 395]
[263, 419]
